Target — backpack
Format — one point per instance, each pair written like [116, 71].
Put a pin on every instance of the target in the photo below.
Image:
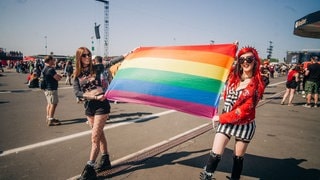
[69, 70]
[42, 79]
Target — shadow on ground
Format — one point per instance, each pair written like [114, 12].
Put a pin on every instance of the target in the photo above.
[264, 168]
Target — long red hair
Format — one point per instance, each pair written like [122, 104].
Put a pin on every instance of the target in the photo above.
[79, 66]
[236, 71]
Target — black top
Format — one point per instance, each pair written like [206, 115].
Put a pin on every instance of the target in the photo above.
[69, 69]
[86, 81]
[314, 74]
[51, 83]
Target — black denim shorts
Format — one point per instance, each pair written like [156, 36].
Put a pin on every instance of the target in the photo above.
[291, 84]
[94, 107]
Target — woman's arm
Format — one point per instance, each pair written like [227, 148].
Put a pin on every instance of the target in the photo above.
[242, 113]
[76, 88]
[119, 58]
[115, 61]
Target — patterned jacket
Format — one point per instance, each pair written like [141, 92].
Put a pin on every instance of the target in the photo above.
[244, 109]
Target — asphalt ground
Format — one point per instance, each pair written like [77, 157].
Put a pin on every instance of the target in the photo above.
[286, 144]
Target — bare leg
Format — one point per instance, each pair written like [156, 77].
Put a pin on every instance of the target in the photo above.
[285, 96]
[308, 98]
[52, 109]
[219, 143]
[48, 110]
[316, 97]
[292, 91]
[240, 148]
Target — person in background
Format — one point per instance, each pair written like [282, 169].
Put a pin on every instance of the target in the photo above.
[271, 70]
[300, 87]
[69, 72]
[264, 70]
[86, 86]
[291, 84]
[34, 80]
[243, 91]
[105, 75]
[1, 68]
[51, 91]
[312, 75]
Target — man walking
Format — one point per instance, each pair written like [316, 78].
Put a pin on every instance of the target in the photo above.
[51, 79]
[312, 75]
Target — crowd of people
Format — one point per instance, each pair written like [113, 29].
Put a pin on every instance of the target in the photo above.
[301, 79]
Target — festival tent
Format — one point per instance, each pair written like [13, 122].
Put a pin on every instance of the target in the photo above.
[308, 26]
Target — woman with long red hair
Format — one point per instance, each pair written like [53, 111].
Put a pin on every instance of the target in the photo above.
[87, 85]
[243, 91]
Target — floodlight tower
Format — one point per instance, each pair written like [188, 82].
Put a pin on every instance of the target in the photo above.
[269, 50]
[106, 26]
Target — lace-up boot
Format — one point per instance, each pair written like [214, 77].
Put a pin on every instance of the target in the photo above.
[88, 173]
[104, 163]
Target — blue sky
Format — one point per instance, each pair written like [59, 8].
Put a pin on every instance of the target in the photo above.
[69, 24]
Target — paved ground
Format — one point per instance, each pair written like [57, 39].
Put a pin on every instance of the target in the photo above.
[285, 146]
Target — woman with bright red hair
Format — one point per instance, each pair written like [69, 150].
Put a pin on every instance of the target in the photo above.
[243, 91]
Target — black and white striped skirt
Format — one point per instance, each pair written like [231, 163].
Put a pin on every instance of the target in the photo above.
[243, 132]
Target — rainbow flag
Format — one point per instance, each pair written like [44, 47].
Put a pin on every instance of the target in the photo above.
[184, 78]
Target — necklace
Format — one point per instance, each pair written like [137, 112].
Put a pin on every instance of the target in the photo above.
[243, 78]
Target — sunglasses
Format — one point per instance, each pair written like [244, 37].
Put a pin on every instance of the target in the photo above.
[86, 55]
[249, 59]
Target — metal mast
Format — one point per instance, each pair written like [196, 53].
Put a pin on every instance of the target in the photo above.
[106, 26]
[269, 50]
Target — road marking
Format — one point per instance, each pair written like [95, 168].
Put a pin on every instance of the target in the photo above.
[274, 84]
[154, 146]
[73, 136]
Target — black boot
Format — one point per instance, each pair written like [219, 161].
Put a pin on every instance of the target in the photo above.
[210, 167]
[104, 163]
[88, 173]
[237, 167]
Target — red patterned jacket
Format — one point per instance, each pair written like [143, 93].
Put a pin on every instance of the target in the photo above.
[244, 109]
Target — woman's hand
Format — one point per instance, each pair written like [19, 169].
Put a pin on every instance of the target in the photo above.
[125, 55]
[215, 121]
[100, 97]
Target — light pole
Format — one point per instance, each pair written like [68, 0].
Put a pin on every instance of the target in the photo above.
[269, 50]
[45, 37]
[92, 45]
